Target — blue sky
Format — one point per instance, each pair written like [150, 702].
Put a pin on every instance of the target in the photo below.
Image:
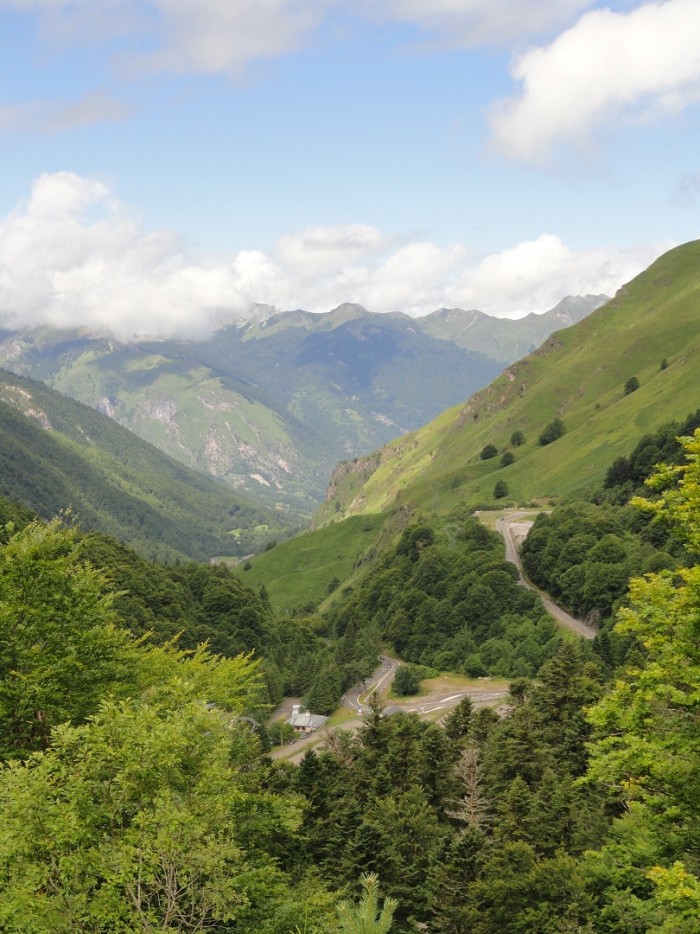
[168, 163]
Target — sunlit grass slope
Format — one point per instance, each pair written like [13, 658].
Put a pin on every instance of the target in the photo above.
[301, 573]
[578, 375]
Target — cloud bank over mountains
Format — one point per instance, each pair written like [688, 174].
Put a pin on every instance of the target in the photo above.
[73, 255]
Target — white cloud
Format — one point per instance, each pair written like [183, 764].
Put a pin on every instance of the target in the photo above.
[74, 256]
[476, 22]
[609, 66]
[224, 36]
[207, 36]
[533, 276]
[49, 117]
[320, 250]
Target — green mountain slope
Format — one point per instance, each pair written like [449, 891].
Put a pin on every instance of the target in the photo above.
[299, 574]
[270, 406]
[56, 453]
[650, 330]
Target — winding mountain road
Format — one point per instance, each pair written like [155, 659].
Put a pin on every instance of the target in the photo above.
[514, 528]
[380, 679]
[442, 698]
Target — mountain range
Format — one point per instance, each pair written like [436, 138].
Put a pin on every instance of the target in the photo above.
[269, 406]
[620, 372]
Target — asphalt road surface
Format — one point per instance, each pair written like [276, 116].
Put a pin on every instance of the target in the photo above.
[514, 528]
[433, 706]
[379, 681]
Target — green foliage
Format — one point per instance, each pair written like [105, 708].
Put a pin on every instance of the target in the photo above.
[507, 459]
[584, 556]
[480, 827]
[500, 489]
[646, 727]
[143, 819]
[280, 732]
[367, 917]
[325, 690]
[61, 647]
[132, 794]
[627, 475]
[631, 385]
[552, 432]
[517, 439]
[406, 681]
[444, 597]
[13, 517]
[488, 451]
[458, 721]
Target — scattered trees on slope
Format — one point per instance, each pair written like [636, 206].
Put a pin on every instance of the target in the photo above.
[554, 430]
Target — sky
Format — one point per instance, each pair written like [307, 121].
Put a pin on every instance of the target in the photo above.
[168, 164]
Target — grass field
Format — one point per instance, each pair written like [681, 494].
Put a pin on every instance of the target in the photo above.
[302, 572]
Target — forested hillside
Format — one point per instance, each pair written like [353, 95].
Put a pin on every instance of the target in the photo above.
[136, 792]
[56, 453]
[138, 785]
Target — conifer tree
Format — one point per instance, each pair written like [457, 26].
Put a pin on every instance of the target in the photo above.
[367, 917]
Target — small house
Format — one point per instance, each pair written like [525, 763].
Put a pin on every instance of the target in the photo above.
[302, 721]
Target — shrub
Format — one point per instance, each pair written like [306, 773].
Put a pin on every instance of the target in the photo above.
[488, 452]
[406, 681]
[632, 385]
[507, 459]
[500, 490]
[554, 430]
[517, 439]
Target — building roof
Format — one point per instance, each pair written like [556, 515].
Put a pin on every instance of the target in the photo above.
[307, 721]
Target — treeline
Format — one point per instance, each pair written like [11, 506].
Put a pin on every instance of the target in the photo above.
[479, 826]
[626, 476]
[203, 603]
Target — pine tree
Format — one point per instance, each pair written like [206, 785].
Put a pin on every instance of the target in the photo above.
[457, 722]
[366, 917]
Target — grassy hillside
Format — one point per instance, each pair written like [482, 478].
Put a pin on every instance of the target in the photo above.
[650, 330]
[302, 572]
[56, 453]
